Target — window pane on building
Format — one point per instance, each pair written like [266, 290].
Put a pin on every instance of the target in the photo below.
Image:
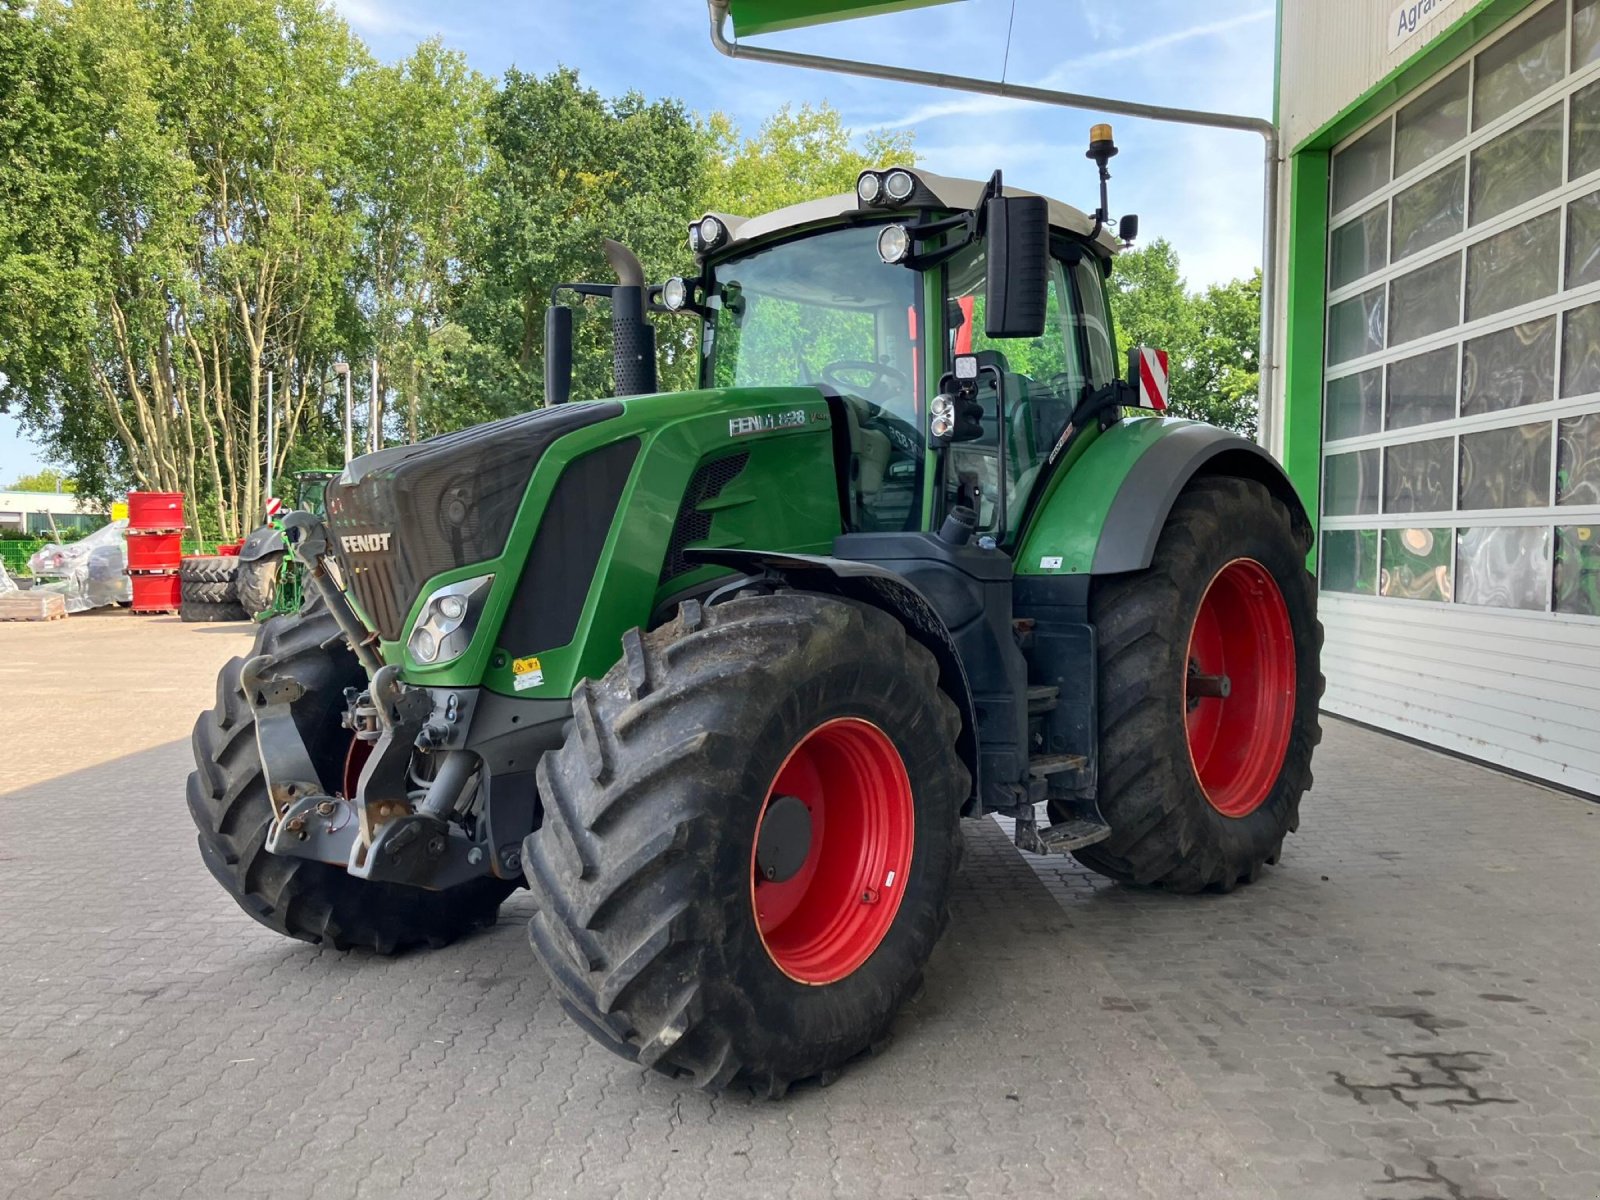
[1350, 561]
[1425, 301]
[1506, 468]
[1416, 564]
[1361, 168]
[1428, 212]
[1423, 389]
[1520, 164]
[1359, 248]
[1578, 570]
[1585, 132]
[1578, 461]
[1354, 405]
[1585, 33]
[1583, 241]
[1516, 267]
[1521, 65]
[1350, 484]
[1509, 368]
[1503, 567]
[1417, 476]
[1432, 124]
[1355, 326]
[1580, 352]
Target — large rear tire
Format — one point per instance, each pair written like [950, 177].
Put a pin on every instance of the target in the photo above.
[1209, 688]
[749, 839]
[257, 583]
[313, 901]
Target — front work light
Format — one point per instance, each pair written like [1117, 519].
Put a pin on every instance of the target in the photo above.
[869, 187]
[899, 184]
[448, 619]
[675, 294]
[894, 244]
[712, 233]
[944, 417]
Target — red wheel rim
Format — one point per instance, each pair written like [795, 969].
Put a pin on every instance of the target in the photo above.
[820, 924]
[1239, 694]
[354, 760]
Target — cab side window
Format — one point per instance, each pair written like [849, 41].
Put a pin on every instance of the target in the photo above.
[1043, 378]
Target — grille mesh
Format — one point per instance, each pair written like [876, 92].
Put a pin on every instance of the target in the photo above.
[693, 525]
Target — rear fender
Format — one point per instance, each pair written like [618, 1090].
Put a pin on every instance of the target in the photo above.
[1104, 515]
[881, 588]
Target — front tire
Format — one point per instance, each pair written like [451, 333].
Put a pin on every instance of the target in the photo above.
[313, 901]
[257, 583]
[1200, 788]
[749, 839]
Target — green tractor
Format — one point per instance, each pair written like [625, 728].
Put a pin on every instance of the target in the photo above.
[268, 580]
[716, 675]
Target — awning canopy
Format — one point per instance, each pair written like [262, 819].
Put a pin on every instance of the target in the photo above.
[769, 16]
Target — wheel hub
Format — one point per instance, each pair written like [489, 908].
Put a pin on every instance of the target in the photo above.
[784, 841]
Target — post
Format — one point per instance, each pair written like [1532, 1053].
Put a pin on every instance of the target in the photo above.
[266, 492]
[375, 412]
[342, 369]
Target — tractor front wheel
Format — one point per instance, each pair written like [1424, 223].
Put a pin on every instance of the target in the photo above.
[1209, 688]
[257, 583]
[749, 839]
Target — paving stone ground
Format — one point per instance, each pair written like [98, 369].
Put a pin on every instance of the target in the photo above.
[1407, 1009]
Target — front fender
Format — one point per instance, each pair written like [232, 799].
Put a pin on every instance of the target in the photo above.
[1105, 512]
[261, 543]
[881, 588]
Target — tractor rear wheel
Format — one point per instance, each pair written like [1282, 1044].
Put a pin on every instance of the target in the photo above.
[1209, 688]
[749, 839]
[257, 583]
[312, 901]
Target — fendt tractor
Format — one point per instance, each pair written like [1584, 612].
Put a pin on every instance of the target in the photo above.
[717, 674]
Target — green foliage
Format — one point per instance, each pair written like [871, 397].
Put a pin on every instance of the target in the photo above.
[47, 480]
[1212, 337]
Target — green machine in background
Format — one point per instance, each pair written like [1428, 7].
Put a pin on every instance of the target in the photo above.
[717, 674]
[268, 582]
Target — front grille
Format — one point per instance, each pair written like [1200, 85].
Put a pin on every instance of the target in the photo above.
[693, 525]
[445, 503]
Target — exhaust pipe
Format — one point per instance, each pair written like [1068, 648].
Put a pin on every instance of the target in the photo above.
[633, 339]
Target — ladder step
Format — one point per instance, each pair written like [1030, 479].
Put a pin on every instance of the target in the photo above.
[1056, 764]
[1074, 834]
[1043, 698]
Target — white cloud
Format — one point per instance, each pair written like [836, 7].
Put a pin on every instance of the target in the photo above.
[380, 18]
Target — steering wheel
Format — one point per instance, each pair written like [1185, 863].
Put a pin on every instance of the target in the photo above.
[883, 379]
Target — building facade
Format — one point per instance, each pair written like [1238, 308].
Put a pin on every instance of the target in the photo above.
[1438, 398]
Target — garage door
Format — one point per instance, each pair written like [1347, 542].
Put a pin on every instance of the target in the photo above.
[1460, 555]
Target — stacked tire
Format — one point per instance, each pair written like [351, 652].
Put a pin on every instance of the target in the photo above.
[209, 589]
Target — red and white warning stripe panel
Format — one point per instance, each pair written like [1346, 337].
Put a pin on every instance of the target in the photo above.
[274, 508]
[1151, 368]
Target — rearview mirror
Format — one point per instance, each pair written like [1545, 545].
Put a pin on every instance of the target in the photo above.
[1018, 283]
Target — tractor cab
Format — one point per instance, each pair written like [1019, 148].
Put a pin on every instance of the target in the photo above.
[874, 297]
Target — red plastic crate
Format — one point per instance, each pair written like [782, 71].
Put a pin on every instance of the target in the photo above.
[157, 593]
[154, 551]
[155, 510]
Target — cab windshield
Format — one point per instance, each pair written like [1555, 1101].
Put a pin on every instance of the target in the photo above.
[825, 311]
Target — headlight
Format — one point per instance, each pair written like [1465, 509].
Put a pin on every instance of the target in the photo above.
[674, 294]
[944, 417]
[869, 187]
[448, 619]
[894, 244]
[899, 184]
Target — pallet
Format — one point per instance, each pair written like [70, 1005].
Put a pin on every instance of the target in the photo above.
[33, 606]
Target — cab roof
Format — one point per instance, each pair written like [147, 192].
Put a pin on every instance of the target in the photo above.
[957, 195]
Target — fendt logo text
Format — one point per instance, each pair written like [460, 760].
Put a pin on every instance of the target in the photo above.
[364, 543]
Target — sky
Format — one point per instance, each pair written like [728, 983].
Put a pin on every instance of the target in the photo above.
[1199, 189]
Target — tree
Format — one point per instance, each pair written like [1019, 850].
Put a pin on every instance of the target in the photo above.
[47, 480]
[797, 155]
[1212, 339]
